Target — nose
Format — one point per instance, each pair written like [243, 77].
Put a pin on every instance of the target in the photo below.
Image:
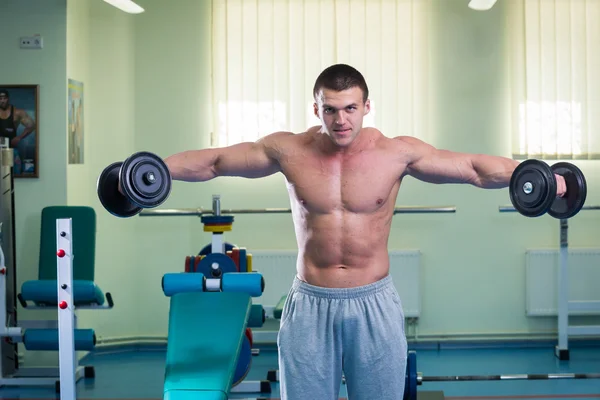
[340, 118]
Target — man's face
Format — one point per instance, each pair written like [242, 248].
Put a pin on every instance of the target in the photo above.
[341, 114]
[3, 101]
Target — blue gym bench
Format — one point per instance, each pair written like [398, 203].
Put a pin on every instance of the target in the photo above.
[209, 346]
[208, 351]
[65, 283]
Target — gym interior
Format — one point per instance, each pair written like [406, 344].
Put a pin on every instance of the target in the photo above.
[498, 305]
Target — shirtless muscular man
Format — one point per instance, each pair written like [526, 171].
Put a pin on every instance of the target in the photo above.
[343, 313]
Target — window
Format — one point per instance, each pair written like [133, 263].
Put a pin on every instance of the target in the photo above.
[266, 55]
[555, 78]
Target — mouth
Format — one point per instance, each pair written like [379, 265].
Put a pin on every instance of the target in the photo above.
[342, 132]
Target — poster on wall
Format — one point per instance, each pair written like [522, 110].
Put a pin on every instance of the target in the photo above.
[75, 122]
[19, 123]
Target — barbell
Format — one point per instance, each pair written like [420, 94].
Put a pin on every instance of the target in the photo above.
[199, 212]
[414, 378]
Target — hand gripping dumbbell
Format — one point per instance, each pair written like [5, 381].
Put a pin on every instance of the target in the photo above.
[141, 181]
[533, 189]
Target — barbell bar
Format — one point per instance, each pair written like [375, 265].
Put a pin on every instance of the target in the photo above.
[414, 379]
[182, 212]
[514, 377]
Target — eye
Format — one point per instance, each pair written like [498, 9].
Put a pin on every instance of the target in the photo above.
[328, 110]
[351, 108]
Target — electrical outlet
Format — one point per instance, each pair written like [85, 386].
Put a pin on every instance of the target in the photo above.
[31, 42]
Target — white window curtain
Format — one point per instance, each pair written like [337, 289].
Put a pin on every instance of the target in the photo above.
[555, 78]
[266, 55]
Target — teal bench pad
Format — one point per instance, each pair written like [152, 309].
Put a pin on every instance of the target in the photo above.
[44, 292]
[206, 331]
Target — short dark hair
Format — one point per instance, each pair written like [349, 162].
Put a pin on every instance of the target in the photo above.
[340, 77]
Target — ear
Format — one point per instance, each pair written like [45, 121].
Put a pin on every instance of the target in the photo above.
[367, 106]
[316, 110]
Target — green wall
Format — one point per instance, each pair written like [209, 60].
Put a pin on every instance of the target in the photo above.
[147, 87]
[100, 54]
[45, 68]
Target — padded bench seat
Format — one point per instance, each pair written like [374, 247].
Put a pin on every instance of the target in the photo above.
[44, 292]
[206, 332]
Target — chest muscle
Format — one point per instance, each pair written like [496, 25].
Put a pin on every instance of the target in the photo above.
[359, 184]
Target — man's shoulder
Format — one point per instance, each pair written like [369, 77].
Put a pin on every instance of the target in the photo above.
[280, 144]
[394, 143]
[407, 142]
[278, 138]
[19, 112]
[287, 137]
[407, 148]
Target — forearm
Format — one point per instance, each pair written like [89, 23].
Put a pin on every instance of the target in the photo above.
[17, 139]
[193, 165]
[492, 172]
[26, 132]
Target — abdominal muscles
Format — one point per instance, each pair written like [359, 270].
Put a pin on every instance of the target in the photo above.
[343, 248]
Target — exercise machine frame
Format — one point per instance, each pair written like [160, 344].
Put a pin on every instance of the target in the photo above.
[65, 376]
[565, 306]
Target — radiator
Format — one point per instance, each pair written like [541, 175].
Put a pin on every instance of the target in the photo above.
[279, 268]
[542, 279]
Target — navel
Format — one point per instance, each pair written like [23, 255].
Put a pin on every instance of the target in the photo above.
[379, 202]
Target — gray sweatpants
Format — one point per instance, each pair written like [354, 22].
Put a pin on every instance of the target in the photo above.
[358, 331]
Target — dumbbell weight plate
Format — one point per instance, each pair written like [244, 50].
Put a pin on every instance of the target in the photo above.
[110, 197]
[572, 202]
[145, 179]
[532, 188]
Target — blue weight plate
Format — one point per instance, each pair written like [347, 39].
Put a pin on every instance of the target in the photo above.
[208, 249]
[217, 219]
[244, 362]
[225, 263]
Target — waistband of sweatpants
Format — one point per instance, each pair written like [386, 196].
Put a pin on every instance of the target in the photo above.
[342, 293]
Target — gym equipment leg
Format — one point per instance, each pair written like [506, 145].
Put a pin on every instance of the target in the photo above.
[65, 339]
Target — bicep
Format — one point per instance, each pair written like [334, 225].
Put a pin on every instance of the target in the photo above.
[433, 165]
[248, 159]
[25, 119]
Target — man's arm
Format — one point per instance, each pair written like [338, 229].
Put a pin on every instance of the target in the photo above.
[249, 160]
[28, 124]
[429, 164]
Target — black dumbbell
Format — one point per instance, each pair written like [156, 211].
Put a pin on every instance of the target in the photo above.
[533, 188]
[144, 180]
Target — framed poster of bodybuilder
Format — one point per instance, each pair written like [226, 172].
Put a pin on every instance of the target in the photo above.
[19, 121]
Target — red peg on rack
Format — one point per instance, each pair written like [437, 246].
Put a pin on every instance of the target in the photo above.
[60, 253]
[62, 305]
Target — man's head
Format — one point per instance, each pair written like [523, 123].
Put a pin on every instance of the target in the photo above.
[341, 102]
[4, 99]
